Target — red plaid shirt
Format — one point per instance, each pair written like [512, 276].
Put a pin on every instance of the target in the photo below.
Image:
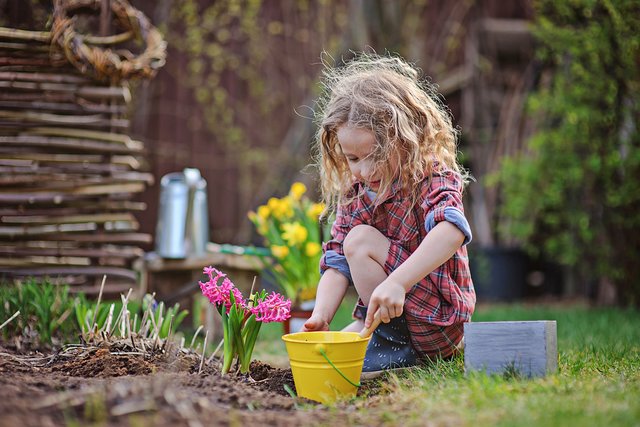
[437, 306]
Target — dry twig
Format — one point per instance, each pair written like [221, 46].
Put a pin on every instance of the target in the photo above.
[16, 314]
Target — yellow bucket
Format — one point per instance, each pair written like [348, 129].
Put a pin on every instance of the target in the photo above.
[326, 365]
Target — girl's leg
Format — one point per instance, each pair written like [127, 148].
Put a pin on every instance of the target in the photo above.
[355, 326]
[366, 251]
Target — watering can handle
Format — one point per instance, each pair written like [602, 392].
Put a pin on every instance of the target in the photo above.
[366, 332]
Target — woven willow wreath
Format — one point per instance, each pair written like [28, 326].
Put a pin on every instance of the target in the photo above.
[106, 64]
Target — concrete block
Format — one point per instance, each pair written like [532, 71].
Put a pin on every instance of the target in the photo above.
[528, 348]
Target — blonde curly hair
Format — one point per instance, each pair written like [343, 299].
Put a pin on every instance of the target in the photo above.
[385, 95]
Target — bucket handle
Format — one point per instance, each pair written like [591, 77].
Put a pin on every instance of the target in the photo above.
[324, 354]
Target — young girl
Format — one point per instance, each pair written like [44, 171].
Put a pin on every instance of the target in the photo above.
[387, 160]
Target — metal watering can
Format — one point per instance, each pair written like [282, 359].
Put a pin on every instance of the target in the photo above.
[183, 220]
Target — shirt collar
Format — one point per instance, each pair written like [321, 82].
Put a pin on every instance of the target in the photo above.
[361, 188]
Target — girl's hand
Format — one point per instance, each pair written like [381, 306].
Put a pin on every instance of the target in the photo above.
[315, 323]
[388, 298]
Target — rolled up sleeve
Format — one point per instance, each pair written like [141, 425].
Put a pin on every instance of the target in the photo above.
[442, 201]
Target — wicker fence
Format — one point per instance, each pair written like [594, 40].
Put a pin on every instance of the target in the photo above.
[68, 170]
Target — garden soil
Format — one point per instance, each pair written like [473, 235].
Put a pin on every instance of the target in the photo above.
[109, 387]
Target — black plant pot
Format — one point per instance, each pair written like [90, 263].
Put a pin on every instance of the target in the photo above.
[499, 274]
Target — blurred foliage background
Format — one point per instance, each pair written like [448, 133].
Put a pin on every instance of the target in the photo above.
[574, 194]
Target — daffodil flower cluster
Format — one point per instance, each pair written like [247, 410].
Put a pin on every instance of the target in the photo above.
[291, 230]
[241, 318]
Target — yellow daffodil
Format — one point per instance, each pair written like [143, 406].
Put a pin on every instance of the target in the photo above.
[273, 204]
[312, 249]
[297, 190]
[260, 220]
[280, 252]
[294, 233]
[263, 228]
[315, 210]
[290, 228]
[284, 209]
[281, 209]
[264, 212]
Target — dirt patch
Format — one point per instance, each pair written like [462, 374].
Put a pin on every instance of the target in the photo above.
[272, 379]
[101, 363]
[108, 386]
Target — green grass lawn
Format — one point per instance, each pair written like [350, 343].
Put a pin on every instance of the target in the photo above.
[597, 383]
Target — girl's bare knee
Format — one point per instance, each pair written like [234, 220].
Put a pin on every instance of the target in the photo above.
[363, 241]
[358, 240]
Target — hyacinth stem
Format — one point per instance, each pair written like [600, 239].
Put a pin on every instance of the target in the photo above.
[251, 331]
[235, 326]
[227, 350]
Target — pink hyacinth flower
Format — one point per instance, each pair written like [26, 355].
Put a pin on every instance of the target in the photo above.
[226, 289]
[274, 308]
[210, 271]
[219, 295]
[210, 289]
